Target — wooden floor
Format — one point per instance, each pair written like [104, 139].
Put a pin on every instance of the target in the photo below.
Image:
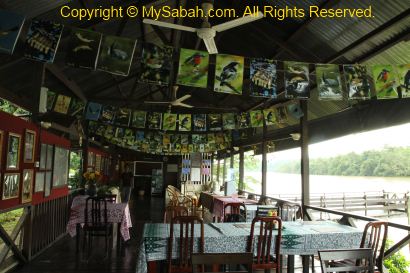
[62, 256]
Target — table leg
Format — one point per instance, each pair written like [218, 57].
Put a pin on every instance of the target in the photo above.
[152, 267]
[305, 263]
[291, 264]
[77, 237]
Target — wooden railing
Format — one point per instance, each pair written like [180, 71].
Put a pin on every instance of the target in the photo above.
[388, 202]
[38, 227]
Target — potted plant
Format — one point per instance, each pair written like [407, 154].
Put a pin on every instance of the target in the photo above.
[91, 182]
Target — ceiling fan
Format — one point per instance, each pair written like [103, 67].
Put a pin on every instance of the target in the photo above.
[208, 32]
[175, 101]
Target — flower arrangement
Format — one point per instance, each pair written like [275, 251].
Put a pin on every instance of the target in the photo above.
[92, 177]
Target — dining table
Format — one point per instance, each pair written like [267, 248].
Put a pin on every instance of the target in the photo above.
[118, 213]
[216, 203]
[298, 238]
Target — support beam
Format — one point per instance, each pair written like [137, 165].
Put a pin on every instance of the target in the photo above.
[161, 35]
[305, 154]
[53, 69]
[264, 162]
[241, 169]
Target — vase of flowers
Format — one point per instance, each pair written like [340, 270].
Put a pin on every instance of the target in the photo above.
[91, 181]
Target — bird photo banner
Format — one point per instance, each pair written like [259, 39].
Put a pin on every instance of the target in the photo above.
[138, 119]
[385, 81]
[156, 64]
[329, 82]
[169, 122]
[10, 28]
[83, 48]
[297, 80]
[357, 81]
[229, 74]
[193, 68]
[403, 75]
[263, 78]
[116, 54]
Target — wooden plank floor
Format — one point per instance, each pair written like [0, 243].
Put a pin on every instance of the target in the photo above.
[62, 256]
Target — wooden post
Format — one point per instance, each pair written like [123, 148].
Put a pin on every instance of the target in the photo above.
[218, 170]
[304, 154]
[241, 169]
[264, 162]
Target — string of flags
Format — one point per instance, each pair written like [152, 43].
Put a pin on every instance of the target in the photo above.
[113, 54]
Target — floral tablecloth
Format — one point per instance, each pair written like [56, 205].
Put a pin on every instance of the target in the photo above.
[298, 238]
[116, 212]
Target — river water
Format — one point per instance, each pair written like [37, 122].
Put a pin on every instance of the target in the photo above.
[284, 184]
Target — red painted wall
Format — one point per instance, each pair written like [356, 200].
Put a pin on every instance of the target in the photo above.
[11, 124]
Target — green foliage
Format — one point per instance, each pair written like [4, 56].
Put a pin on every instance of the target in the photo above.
[8, 220]
[391, 161]
[11, 108]
[75, 178]
[396, 263]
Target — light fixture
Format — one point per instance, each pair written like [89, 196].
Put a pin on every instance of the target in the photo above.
[295, 136]
[45, 124]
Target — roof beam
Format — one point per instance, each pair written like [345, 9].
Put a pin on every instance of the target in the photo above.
[161, 35]
[368, 36]
[15, 98]
[53, 69]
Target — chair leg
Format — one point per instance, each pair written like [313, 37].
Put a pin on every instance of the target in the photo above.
[313, 263]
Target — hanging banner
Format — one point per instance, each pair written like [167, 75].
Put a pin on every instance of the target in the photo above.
[108, 114]
[10, 28]
[329, 82]
[93, 111]
[138, 119]
[357, 81]
[62, 104]
[42, 40]
[184, 122]
[83, 48]
[256, 118]
[51, 97]
[243, 120]
[116, 55]
[129, 137]
[385, 81]
[403, 74]
[263, 78]
[199, 122]
[156, 64]
[122, 117]
[76, 108]
[281, 114]
[228, 121]
[154, 120]
[297, 80]
[193, 68]
[169, 122]
[269, 116]
[215, 122]
[229, 74]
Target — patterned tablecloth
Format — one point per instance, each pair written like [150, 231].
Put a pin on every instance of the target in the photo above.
[298, 238]
[116, 212]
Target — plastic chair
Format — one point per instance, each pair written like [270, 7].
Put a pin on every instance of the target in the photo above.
[201, 259]
[362, 257]
[96, 221]
[232, 212]
[264, 260]
[184, 243]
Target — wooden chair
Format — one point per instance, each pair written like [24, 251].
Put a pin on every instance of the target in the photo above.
[362, 257]
[374, 237]
[173, 211]
[264, 260]
[201, 259]
[184, 242]
[95, 224]
[232, 212]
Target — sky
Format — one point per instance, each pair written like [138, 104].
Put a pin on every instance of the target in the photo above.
[372, 140]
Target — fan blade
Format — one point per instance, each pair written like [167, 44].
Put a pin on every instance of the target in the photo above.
[181, 99]
[183, 105]
[168, 25]
[210, 46]
[157, 102]
[238, 22]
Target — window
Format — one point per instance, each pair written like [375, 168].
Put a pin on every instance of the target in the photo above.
[60, 170]
[43, 176]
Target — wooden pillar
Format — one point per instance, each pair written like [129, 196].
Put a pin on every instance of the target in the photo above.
[224, 171]
[218, 170]
[304, 154]
[241, 169]
[264, 161]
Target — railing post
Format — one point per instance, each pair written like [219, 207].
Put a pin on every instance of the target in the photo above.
[407, 207]
[365, 204]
